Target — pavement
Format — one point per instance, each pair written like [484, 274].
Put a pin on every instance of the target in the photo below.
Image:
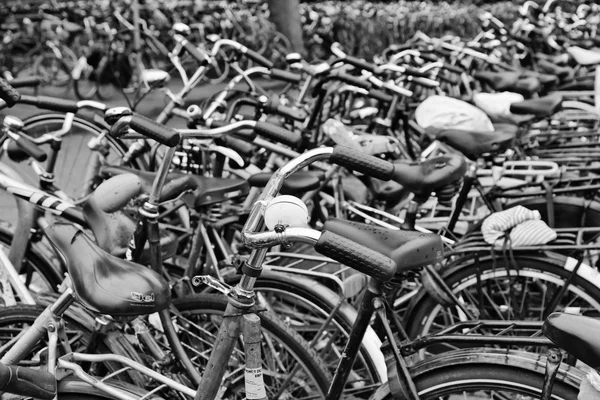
[75, 154]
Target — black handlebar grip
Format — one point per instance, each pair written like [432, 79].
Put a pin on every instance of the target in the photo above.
[30, 148]
[51, 103]
[294, 113]
[30, 81]
[27, 382]
[453, 68]
[356, 256]
[152, 129]
[415, 72]
[277, 133]
[240, 146]
[286, 76]
[380, 95]
[8, 93]
[257, 58]
[353, 80]
[361, 162]
[428, 56]
[360, 63]
[194, 52]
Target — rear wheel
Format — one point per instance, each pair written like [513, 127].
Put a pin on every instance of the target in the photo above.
[513, 291]
[489, 374]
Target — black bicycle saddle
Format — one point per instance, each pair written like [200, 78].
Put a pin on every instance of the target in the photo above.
[104, 283]
[542, 107]
[423, 178]
[473, 144]
[498, 81]
[408, 249]
[576, 334]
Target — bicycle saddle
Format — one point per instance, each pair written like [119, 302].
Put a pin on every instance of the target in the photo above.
[409, 249]
[473, 144]
[584, 57]
[423, 178]
[104, 283]
[206, 190]
[112, 228]
[499, 81]
[576, 334]
[542, 107]
[298, 183]
[548, 67]
[580, 84]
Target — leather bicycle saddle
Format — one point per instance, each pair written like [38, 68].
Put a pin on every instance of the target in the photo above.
[206, 190]
[542, 107]
[104, 283]
[576, 334]
[409, 250]
[423, 178]
[298, 183]
[499, 81]
[474, 144]
[584, 57]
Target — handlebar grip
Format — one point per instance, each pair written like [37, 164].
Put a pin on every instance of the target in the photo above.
[30, 81]
[428, 56]
[194, 52]
[257, 58]
[29, 147]
[453, 68]
[294, 113]
[51, 103]
[356, 256]
[380, 95]
[277, 133]
[361, 162]
[286, 76]
[147, 127]
[360, 63]
[240, 146]
[352, 80]
[415, 72]
[8, 93]
[27, 382]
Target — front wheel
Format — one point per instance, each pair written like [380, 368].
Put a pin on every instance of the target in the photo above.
[291, 369]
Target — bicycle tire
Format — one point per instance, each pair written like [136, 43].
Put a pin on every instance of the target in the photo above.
[425, 311]
[211, 306]
[85, 85]
[37, 260]
[53, 71]
[317, 302]
[477, 370]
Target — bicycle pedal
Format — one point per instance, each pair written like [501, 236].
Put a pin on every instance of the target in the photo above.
[211, 282]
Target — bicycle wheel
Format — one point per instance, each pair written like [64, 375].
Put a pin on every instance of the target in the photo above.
[199, 317]
[489, 374]
[495, 290]
[72, 168]
[85, 81]
[53, 72]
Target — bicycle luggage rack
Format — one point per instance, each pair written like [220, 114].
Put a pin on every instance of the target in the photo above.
[483, 332]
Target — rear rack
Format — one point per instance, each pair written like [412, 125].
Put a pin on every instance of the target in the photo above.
[483, 332]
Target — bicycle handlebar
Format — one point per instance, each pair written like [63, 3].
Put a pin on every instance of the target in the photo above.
[332, 245]
[29, 81]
